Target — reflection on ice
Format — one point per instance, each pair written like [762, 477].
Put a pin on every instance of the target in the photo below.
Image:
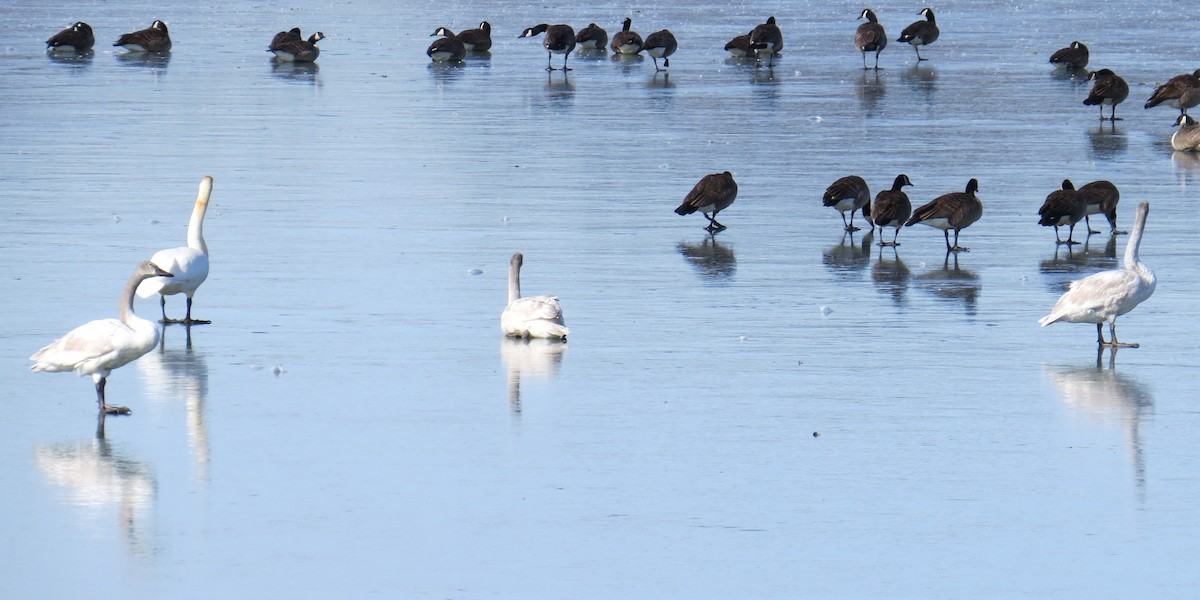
[712, 260]
[182, 375]
[1070, 261]
[920, 77]
[891, 276]
[99, 481]
[1107, 142]
[953, 282]
[304, 72]
[1110, 397]
[523, 357]
[847, 258]
[869, 89]
[154, 60]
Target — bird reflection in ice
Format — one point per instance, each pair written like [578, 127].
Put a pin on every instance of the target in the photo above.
[891, 276]
[953, 282]
[182, 375]
[712, 260]
[529, 358]
[1111, 397]
[847, 258]
[1068, 261]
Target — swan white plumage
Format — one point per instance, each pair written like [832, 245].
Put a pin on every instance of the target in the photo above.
[188, 265]
[1107, 295]
[97, 347]
[530, 316]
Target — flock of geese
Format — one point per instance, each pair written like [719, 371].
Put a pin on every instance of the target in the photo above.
[98, 347]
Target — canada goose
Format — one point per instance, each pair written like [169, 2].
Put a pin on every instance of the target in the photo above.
[1100, 197]
[152, 39]
[188, 265]
[560, 39]
[1074, 56]
[921, 33]
[956, 210]
[870, 37]
[626, 41]
[892, 208]
[1063, 207]
[739, 47]
[713, 194]
[1187, 138]
[1180, 91]
[530, 316]
[299, 50]
[284, 37]
[478, 39]
[97, 347]
[1107, 295]
[767, 40]
[447, 48]
[849, 193]
[1108, 90]
[76, 38]
[661, 44]
[592, 37]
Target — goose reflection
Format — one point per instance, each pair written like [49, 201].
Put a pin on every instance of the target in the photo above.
[869, 89]
[74, 59]
[891, 276]
[1107, 142]
[712, 260]
[921, 77]
[1111, 397]
[182, 375]
[529, 358]
[154, 60]
[304, 72]
[847, 258]
[98, 480]
[1067, 262]
[1187, 167]
[952, 282]
[446, 72]
[660, 79]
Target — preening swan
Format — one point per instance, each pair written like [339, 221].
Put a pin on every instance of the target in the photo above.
[1108, 294]
[188, 265]
[97, 347]
[531, 316]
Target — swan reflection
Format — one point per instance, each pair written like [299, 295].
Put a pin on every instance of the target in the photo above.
[181, 375]
[529, 358]
[891, 276]
[712, 260]
[99, 482]
[1110, 397]
[847, 258]
[952, 282]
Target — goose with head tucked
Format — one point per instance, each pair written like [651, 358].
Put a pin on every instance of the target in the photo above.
[661, 44]
[559, 39]
[767, 40]
[592, 37]
[296, 50]
[530, 316]
[1106, 295]
[626, 41]
[1073, 57]
[154, 38]
[921, 33]
[97, 347]
[77, 38]
[1180, 91]
[739, 46]
[1108, 89]
[850, 193]
[1100, 197]
[1063, 207]
[188, 265]
[712, 194]
[284, 37]
[870, 37]
[956, 210]
[892, 208]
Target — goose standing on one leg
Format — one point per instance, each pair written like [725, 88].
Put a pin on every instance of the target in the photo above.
[891, 209]
[1107, 295]
[850, 193]
[661, 44]
[560, 39]
[921, 33]
[530, 316]
[1063, 207]
[188, 265]
[956, 210]
[870, 37]
[1073, 57]
[97, 347]
[626, 41]
[767, 40]
[712, 194]
[77, 38]
[1109, 89]
[1101, 197]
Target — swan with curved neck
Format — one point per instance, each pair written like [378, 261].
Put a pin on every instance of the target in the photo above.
[188, 265]
[530, 316]
[1106, 295]
[97, 347]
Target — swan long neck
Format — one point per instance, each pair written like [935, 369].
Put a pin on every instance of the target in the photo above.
[514, 279]
[125, 310]
[1132, 262]
[196, 224]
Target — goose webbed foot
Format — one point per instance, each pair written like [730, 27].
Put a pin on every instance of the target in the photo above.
[189, 322]
[109, 409]
[1116, 232]
[1115, 344]
[957, 249]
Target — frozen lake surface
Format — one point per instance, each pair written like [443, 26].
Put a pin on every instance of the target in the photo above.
[779, 411]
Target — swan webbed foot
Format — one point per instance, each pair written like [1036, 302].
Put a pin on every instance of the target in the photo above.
[1117, 232]
[109, 409]
[1115, 344]
[190, 322]
[960, 249]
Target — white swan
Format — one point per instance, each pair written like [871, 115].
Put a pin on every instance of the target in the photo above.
[97, 347]
[1107, 295]
[188, 265]
[531, 316]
